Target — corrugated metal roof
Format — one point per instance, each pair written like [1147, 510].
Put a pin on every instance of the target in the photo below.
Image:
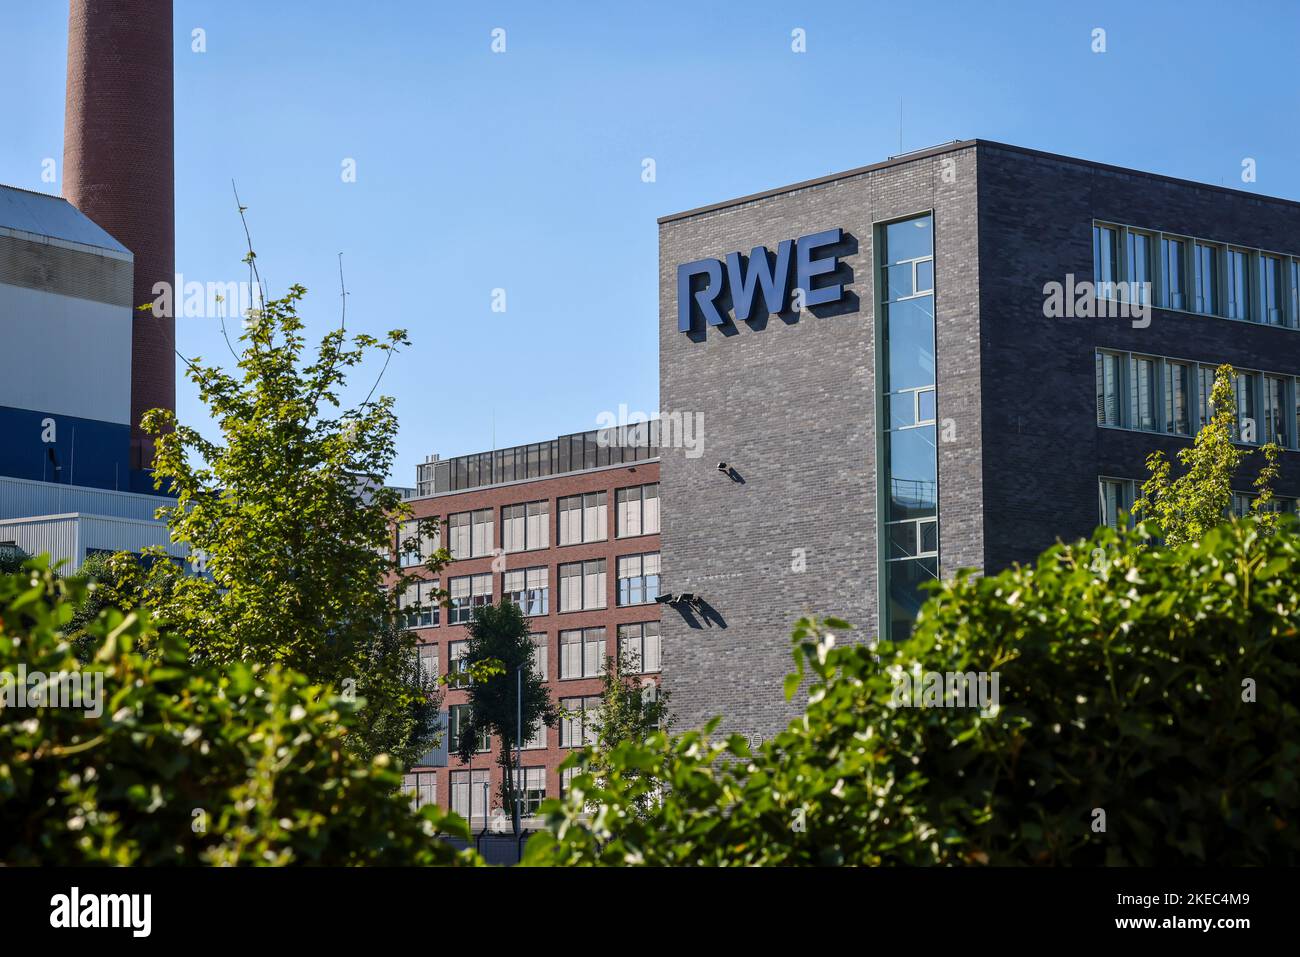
[53, 216]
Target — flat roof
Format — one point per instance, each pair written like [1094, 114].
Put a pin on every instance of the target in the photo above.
[953, 147]
[43, 215]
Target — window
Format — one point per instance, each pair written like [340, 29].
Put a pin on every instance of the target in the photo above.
[906, 350]
[1173, 289]
[583, 518]
[526, 527]
[582, 653]
[467, 593]
[541, 653]
[1116, 496]
[1108, 384]
[582, 585]
[1273, 282]
[457, 663]
[429, 660]
[578, 725]
[417, 606]
[469, 793]
[637, 510]
[1238, 284]
[529, 588]
[1178, 392]
[1205, 390]
[412, 547]
[1105, 260]
[638, 643]
[1275, 419]
[458, 717]
[471, 533]
[1205, 278]
[531, 785]
[1294, 318]
[1140, 266]
[638, 578]
[914, 538]
[1142, 388]
[536, 736]
[1247, 419]
[422, 787]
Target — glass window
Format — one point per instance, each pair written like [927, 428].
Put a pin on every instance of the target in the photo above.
[469, 793]
[1178, 398]
[905, 593]
[529, 588]
[1116, 496]
[467, 593]
[913, 489]
[417, 606]
[525, 526]
[638, 578]
[1108, 377]
[458, 717]
[414, 548]
[1174, 283]
[422, 786]
[1140, 266]
[582, 585]
[1273, 282]
[429, 661]
[1275, 418]
[1105, 260]
[1142, 388]
[531, 785]
[637, 511]
[578, 726]
[639, 644]
[1238, 284]
[909, 344]
[541, 654]
[583, 518]
[1205, 279]
[1247, 418]
[582, 653]
[1205, 390]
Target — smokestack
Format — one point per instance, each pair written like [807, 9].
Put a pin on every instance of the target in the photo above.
[119, 169]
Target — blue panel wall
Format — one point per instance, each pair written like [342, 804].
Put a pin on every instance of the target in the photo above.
[84, 451]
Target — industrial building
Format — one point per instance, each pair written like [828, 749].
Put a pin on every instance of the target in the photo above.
[80, 365]
[883, 362]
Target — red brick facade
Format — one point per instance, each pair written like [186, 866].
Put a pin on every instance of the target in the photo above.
[605, 481]
[119, 168]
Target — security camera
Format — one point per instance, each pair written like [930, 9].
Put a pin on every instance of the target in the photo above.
[722, 466]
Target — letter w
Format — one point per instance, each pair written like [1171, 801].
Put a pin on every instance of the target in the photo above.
[773, 279]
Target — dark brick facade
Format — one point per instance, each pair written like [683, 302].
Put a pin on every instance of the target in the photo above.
[119, 168]
[603, 480]
[791, 404]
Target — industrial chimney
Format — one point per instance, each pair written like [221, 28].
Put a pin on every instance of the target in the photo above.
[119, 169]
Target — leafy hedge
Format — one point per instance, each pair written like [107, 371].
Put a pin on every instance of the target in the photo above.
[186, 764]
[1124, 734]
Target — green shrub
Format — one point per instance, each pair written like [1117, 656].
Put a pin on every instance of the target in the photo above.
[186, 764]
[1124, 678]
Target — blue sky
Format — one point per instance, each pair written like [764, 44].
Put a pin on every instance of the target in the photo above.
[522, 170]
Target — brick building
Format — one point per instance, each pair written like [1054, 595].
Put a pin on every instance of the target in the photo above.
[570, 529]
[929, 410]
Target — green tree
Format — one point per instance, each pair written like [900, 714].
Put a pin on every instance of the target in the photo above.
[507, 697]
[1186, 507]
[630, 711]
[290, 526]
[1144, 715]
[172, 762]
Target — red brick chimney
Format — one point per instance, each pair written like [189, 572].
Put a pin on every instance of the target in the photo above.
[119, 169]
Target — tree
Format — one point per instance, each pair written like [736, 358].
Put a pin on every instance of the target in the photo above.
[163, 761]
[507, 698]
[630, 711]
[289, 524]
[1186, 507]
[1144, 715]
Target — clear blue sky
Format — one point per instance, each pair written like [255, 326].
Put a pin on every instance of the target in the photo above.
[522, 170]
